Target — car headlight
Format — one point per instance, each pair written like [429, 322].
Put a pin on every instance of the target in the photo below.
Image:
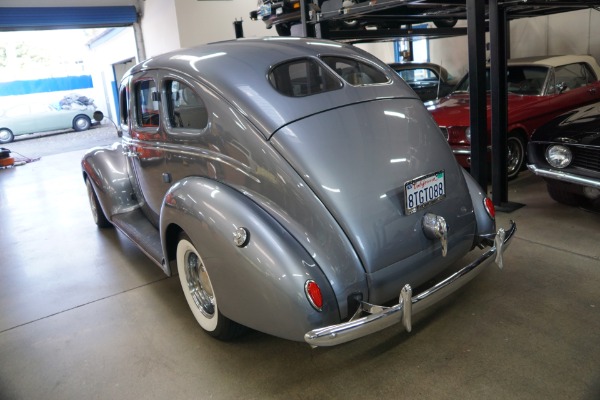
[468, 134]
[559, 156]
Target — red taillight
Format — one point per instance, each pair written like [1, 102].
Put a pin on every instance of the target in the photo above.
[489, 207]
[313, 293]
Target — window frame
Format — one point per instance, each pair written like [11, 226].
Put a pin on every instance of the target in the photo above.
[151, 129]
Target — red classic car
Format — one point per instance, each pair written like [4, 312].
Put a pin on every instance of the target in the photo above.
[539, 88]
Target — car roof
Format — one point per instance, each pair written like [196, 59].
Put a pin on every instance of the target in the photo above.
[238, 70]
[553, 61]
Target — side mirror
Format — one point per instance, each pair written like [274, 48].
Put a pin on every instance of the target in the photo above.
[98, 116]
[561, 87]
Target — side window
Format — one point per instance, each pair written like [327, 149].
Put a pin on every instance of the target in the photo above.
[184, 106]
[146, 104]
[355, 72]
[589, 74]
[418, 75]
[124, 107]
[303, 78]
[573, 75]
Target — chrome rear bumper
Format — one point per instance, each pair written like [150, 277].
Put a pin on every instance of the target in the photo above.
[383, 317]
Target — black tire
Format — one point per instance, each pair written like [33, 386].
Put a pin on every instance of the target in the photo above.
[6, 136]
[445, 23]
[283, 29]
[199, 292]
[97, 212]
[81, 123]
[515, 154]
[560, 193]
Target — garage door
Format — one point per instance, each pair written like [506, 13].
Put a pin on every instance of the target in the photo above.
[29, 18]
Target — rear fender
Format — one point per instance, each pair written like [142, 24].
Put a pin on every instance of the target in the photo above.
[107, 170]
[486, 226]
[259, 284]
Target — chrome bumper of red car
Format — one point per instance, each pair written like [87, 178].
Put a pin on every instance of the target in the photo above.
[381, 317]
[564, 176]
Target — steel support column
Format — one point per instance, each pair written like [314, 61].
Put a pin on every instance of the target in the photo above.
[499, 102]
[477, 99]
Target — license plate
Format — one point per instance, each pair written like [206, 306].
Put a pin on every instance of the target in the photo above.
[424, 191]
[264, 10]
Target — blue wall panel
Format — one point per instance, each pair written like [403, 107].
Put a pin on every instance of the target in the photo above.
[45, 85]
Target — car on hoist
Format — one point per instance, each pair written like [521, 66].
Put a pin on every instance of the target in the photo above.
[296, 186]
[386, 14]
[539, 89]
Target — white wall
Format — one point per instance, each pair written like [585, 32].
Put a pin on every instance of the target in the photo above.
[172, 24]
[117, 47]
[160, 26]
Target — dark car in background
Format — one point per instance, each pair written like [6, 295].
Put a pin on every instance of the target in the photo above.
[539, 89]
[429, 81]
[566, 153]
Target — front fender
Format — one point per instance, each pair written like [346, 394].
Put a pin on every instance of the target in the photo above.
[106, 167]
[259, 285]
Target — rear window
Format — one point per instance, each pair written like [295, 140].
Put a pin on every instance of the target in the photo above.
[355, 72]
[303, 77]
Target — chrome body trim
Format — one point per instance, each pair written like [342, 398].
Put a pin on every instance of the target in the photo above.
[384, 317]
[564, 176]
[466, 151]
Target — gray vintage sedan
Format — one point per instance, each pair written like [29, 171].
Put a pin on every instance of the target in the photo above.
[298, 187]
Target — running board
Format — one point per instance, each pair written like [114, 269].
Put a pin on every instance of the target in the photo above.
[136, 227]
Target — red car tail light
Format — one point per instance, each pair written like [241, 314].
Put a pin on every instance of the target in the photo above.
[313, 293]
[489, 207]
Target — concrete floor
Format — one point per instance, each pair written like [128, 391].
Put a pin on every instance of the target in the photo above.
[84, 315]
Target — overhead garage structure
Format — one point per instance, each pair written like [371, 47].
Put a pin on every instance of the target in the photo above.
[32, 18]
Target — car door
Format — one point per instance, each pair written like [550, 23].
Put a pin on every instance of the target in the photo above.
[193, 151]
[143, 147]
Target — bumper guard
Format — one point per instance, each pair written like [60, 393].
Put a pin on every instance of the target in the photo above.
[381, 317]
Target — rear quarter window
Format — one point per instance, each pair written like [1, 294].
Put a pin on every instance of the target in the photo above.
[303, 77]
[356, 72]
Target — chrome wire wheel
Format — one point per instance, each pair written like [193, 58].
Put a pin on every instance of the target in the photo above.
[515, 156]
[196, 284]
[199, 284]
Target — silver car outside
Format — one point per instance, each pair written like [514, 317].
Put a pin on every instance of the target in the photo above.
[296, 186]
